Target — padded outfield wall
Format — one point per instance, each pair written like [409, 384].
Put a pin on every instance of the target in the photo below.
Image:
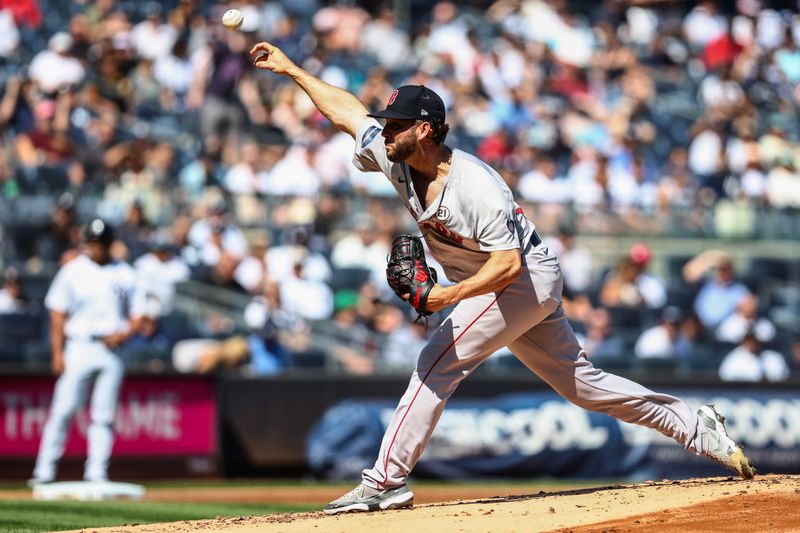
[183, 426]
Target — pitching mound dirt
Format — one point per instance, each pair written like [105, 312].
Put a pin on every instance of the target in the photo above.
[749, 512]
[768, 503]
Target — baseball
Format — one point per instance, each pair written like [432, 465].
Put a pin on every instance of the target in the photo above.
[232, 19]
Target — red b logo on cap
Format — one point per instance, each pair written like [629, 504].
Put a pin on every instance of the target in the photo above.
[393, 97]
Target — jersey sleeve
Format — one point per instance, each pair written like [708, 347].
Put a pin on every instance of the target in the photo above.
[59, 296]
[497, 229]
[370, 154]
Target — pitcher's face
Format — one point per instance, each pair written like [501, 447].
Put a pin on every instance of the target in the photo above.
[401, 139]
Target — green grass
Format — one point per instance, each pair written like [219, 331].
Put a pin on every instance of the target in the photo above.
[25, 516]
[278, 482]
[537, 483]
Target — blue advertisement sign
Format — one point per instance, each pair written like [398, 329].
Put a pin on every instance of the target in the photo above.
[541, 434]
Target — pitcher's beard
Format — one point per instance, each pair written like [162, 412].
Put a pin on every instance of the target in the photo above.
[400, 150]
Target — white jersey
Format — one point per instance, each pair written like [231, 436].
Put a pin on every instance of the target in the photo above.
[158, 278]
[98, 299]
[475, 213]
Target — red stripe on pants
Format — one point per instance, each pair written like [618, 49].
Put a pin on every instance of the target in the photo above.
[389, 450]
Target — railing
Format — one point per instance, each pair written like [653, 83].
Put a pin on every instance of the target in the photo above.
[199, 300]
[202, 302]
[727, 220]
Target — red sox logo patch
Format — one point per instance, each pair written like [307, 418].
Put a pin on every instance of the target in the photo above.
[393, 97]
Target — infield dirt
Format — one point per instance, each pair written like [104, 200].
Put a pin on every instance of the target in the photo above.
[767, 503]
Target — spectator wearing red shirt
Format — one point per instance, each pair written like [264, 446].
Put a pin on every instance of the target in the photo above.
[46, 143]
[25, 12]
[721, 51]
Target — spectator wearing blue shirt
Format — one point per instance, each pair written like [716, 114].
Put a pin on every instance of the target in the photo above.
[513, 114]
[720, 294]
[787, 58]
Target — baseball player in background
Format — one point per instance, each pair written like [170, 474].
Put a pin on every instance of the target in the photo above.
[94, 308]
[507, 291]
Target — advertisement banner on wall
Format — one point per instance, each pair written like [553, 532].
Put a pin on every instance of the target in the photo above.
[538, 434]
[156, 417]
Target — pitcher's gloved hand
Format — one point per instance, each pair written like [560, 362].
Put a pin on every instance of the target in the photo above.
[408, 273]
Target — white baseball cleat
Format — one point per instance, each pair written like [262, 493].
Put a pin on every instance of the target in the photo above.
[721, 447]
[365, 499]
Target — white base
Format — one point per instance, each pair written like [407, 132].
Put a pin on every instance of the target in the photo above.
[88, 490]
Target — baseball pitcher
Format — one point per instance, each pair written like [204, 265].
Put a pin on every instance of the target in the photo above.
[507, 291]
[94, 308]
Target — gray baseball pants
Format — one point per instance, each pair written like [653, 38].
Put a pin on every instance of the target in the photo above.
[528, 318]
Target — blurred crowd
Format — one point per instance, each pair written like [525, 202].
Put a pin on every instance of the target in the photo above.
[612, 117]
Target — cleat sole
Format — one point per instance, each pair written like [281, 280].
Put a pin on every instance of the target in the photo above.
[742, 464]
[398, 502]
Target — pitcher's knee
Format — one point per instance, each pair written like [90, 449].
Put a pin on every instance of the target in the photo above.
[579, 397]
[443, 383]
[443, 375]
[581, 393]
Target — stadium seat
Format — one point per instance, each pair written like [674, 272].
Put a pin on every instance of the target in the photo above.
[15, 330]
[36, 208]
[36, 353]
[36, 285]
[630, 317]
[675, 264]
[147, 356]
[705, 360]
[309, 359]
[771, 268]
[612, 364]
[348, 278]
[10, 353]
[178, 326]
[21, 325]
[51, 179]
[655, 363]
[681, 296]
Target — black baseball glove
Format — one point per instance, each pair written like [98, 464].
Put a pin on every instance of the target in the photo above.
[408, 273]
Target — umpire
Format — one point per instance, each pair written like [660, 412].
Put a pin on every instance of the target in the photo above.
[94, 308]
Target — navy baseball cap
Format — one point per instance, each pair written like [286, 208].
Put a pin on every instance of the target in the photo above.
[413, 102]
[98, 230]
